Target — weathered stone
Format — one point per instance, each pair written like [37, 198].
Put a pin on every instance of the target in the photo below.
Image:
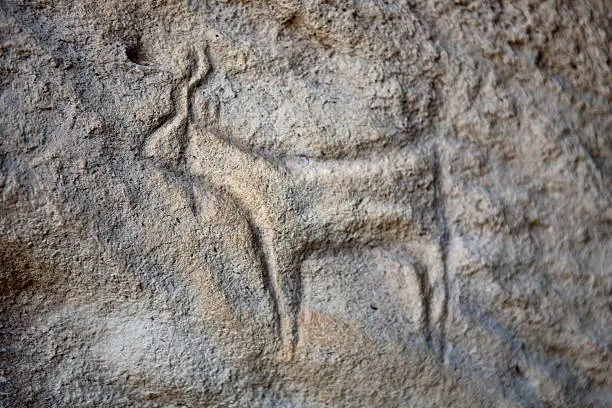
[306, 203]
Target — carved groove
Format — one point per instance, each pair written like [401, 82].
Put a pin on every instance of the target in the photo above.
[266, 268]
[425, 294]
[440, 208]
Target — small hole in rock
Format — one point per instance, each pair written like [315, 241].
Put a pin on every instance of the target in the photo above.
[135, 54]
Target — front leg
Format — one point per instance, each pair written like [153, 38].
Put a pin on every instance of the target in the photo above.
[265, 196]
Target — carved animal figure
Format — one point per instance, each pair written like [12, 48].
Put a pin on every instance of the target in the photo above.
[284, 200]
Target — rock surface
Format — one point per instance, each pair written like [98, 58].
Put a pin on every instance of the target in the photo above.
[305, 204]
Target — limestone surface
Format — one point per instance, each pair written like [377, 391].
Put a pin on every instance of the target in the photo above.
[352, 203]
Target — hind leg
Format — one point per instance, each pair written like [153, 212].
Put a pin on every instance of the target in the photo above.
[385, 201]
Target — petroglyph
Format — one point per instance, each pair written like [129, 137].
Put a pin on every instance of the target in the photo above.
[409, 200]
[296, 206]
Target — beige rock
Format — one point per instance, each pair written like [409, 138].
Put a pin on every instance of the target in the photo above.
[305, 203]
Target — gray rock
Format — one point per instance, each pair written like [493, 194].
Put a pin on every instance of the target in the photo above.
[305, 204]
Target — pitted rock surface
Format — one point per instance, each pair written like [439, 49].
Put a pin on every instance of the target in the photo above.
[305, 203]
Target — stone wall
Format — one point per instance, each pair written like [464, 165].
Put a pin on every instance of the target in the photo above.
[305, 203]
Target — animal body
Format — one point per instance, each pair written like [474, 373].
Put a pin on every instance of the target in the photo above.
[296, 206]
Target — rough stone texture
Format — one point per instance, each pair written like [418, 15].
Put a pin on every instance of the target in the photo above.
[305, 204]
